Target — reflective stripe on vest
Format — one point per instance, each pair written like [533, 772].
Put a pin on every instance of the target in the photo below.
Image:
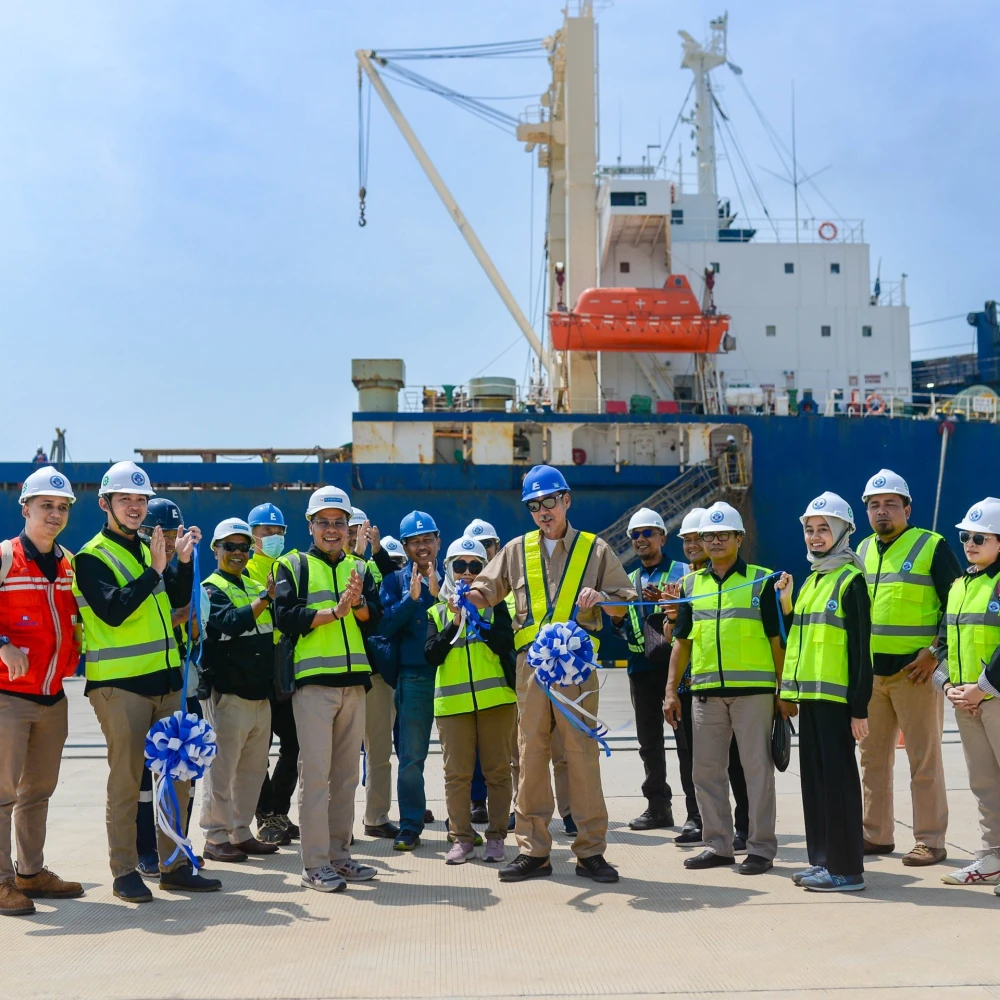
[241, 599]
[905, 606]
[638, 643]
[144, 642]
[258, 568]
[336, 648]
[471, 678]
[729, 645]
[816, 659]
[540, 611]
[973, 621]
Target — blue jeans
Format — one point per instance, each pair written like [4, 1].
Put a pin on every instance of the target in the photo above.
[415, 715]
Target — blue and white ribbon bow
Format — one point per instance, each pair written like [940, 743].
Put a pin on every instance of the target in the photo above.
[471, 624]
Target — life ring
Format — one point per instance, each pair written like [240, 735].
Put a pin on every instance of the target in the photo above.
[875, 405]
[827, 231]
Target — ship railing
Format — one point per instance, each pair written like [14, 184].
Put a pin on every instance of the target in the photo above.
[458, 399]
[876, 401]
[812, 230]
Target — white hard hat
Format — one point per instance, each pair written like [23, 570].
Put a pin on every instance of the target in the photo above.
[328, 497]
[465, 546]
[721, 516]
[830, 505]
[47, 482]
[691, 524]
[231, 526]
[645, 517]
[983, 517]
[394, 547]
[126, 477]
[482, 530]
[358, 516]
[885, 481]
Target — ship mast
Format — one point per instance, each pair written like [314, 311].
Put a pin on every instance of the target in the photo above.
[701, 61]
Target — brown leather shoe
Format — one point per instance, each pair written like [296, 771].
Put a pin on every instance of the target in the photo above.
[48, 885]
[13, 902]
[254, 846]
[225, 852]
[870, 848]
[921, 856]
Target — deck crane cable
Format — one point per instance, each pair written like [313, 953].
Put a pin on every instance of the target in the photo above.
[487, 50]
[732, 168]
[364, 135]
[673, 129]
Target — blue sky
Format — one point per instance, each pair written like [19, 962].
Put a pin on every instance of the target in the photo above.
[180, 261]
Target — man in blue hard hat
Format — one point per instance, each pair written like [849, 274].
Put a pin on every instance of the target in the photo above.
[407, 595]
[551, 572]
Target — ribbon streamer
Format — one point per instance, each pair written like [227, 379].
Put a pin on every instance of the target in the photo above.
[471, 623]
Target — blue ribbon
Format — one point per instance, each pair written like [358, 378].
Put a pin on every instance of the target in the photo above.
[476, 625]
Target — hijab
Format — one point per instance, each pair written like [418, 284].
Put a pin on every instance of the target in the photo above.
[840, 553]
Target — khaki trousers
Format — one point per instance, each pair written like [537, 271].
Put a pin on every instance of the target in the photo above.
[489, 731]
[125, 719]
[981, 742]
[750, 718]
[918, 710]
[330, 722]
[380, 714]
[231, 786]
[538, 724]
[560, 773]
[31, 742]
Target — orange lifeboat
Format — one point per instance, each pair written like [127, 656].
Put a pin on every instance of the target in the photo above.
[638, 319]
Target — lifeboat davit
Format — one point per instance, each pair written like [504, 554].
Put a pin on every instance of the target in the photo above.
[639, 319]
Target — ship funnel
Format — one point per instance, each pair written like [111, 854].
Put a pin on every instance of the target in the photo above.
[378, 382]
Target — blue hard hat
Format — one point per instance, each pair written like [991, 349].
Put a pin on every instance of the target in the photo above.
[416, 523]
[162, 513]
[541, 481]
[265, 513]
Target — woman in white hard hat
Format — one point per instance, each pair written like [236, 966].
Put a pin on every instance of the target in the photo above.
[970, 677]
[39, 648]
[475, 705]
[828, 672]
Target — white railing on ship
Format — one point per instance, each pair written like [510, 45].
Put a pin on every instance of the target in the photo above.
[901, 403]
[807, 230]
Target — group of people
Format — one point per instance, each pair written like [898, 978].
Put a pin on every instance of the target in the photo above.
[383, 638]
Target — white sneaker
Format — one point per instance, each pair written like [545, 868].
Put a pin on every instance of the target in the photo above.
[982, 871]
[323, 879]
[352, 871]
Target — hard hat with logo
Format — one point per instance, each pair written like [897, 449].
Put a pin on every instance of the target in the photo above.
[982, 517]
[266, 513]
[691, 524]
[394, 548]
[830, 505]
[466, 546]
[328, 497]
[417, 522]
[358, 516]
[126, 477]
[47, 482]
[541, 481]
[721, 516]
[482, 530]
[646, 517]
[231, 526]
[162, 513]
[885, 481]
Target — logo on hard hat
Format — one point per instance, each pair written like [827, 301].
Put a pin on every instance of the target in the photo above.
[274, 517]
[850, 513]
[819, 503]
[477, 530]
[332, 500]
[536, 486]
[975, 514]
[994, 607]
[832, 605]
[138, 478]
[907, 566]
[105, 480]
[57, 482]
[755, 602]
[468, 544]
[717, 516]
[878, 481]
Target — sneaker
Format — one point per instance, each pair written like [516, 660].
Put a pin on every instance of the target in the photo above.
[690, 834]
[480, 813]
[459, 853]
[406, 840]
[597, 868]
[807, 873]
[270, 830]
[323, 879]
[510, 822]
[825, 882]
[290, 828]
[524, 867]
[652, 819]
[186, 879]
[982, 871]
[477, 836]
[739, 842]
[428, 816]
[569, 825]
[131, 888]
[13, 902]
[149, 867]
[494, 850]
[353, 871]
[921, 856]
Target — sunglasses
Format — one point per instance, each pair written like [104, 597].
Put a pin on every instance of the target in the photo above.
[964, 537]
[712, 536]
[547, 502]
[323, 524]
[473, 566]
[641, 533]
[234, 546]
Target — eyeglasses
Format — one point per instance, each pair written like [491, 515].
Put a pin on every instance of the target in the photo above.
[547, 502]
[234, 546]
[641, 533]
[964, 537]
[323, 524]
[467, 566]
[716, 536]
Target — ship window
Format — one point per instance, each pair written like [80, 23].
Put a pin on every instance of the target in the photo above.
[715, 266]
[866, 331]
[770, 330]
[789, 269]
[824, 331]
[624, 267]
[834, 269]
[628, 199]
[677, 216]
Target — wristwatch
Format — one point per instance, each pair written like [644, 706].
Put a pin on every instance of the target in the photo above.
[4, 641]
[264, 596]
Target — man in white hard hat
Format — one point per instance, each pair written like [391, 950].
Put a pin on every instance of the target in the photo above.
[909, 572]
[238, 666]
[39, 649]
[732, 636]
[324, 601]
[125, 589]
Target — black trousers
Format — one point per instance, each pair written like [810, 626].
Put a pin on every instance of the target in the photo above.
[279, 787]
[648, 688]
[737, 780]
[831, 788]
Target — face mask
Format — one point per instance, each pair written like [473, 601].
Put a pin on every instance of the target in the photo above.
[273, 545]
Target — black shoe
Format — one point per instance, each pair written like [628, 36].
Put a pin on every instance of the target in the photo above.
[185, 879]
[428, 816]
[524, 867]
[387, 830]
[510, 822]
[690, 833]
[597, 868]
[739, 842]
[132, 889]
[653, 819]
[479, 813]
[755, 865]
[708, 859]
[569, 825]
